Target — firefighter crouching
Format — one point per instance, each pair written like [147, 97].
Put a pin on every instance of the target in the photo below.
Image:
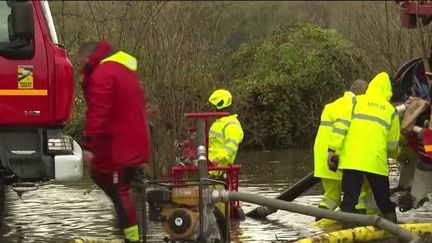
[368, 133]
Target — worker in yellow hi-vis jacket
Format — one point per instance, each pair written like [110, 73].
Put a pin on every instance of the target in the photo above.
[225, 136]
[368, 134]
[226, 133]
[331, 180]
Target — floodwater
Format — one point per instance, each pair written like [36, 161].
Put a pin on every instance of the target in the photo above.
[61, 212]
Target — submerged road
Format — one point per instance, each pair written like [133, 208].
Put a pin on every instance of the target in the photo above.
[60, 212]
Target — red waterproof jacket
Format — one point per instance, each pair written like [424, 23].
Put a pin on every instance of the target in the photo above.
[116, 128]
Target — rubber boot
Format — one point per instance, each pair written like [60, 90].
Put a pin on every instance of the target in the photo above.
[131, 234]
[391, 217]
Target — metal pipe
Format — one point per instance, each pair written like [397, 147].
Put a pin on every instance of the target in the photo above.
[202, 168]
[374, 220]
[202, 162]
[202, 153]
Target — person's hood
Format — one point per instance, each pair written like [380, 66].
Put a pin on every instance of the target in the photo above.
[380, 86]
[102, 50]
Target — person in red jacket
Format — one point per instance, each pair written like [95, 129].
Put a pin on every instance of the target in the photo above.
[116, 137]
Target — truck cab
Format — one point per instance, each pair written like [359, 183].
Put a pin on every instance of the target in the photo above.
[36, 99]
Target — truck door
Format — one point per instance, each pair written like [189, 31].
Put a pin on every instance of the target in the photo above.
[23, 66]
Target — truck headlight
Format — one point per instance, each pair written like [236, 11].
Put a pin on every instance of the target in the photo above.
[60, 145]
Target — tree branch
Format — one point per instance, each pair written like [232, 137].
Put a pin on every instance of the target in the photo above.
[94, 19]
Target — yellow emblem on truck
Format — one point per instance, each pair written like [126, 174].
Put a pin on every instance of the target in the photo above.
[25, 77]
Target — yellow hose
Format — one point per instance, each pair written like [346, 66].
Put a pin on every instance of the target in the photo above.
[365, 233]
[95, 240]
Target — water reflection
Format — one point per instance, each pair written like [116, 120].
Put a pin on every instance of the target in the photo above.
[60, 212]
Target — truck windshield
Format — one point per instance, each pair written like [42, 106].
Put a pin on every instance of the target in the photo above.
[16, 31]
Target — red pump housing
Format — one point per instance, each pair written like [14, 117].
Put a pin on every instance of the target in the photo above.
[189, 146]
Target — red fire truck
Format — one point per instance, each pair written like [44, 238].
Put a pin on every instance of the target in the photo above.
[411, 80]
[36, 100]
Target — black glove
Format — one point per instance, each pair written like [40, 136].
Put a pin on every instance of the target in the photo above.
[335, 160]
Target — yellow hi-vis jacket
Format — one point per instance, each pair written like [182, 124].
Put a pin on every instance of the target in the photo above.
[225, 136]
[373, 132]
[328, 117]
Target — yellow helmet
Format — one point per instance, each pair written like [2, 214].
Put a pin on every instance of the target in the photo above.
[221, 98]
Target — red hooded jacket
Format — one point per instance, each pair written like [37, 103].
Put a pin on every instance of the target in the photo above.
[116, 129]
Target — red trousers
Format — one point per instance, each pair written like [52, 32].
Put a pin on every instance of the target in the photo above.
[117, 185]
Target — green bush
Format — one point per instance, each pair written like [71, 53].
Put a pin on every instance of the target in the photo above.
[281, 83]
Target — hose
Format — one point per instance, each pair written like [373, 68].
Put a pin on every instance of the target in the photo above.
[95, 240]
[288, 195]
[365, 234]
[374, 220]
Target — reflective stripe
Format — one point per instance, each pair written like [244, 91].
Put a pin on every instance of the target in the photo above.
[229, 149]
[216, 134]
[394, 115]
[428, 148]
[339, 131]
[230, 140]
[328, 203]
[345, 122]
[372, 118]
[227, 124]
[326, 123]
[392, 144]
[23, 92]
